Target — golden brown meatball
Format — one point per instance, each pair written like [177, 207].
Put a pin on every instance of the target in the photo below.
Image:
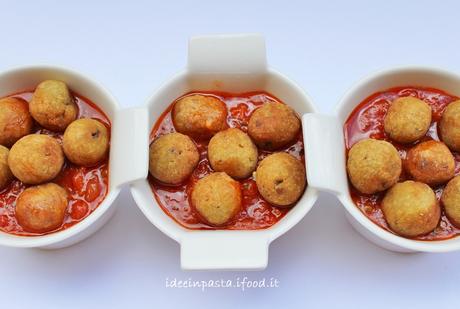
[52, 105]
[15, 120]
[449, 126]
[430, 162]
[411, 209]
[173, 157]
[217, 198]
[42, 208]
[451, 200]
[232, 151]
[36, 158]
[373, 165]
[407, 119]
[5, 173]
[273, 125]
[86, 142]
[280, 179]
[200, 116]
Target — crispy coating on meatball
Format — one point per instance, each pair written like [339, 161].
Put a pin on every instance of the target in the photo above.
[451, 200]
[449, 126]
[280, 179]
[86, 142]
[217, 198]
[172, 158]
[36, 158]
[232, 151]
[52, 105]
[373, 165]
[430, 162]
[411, 209]
[273, 125]
[15, 120]
[5, 173]
[199, 116]
[407, 120]
[42, 208]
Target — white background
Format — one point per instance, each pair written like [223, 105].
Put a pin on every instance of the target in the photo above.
[132, 48]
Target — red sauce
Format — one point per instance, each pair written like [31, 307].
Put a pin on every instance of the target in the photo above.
[366, 121]
[87, 186]
[256, 212]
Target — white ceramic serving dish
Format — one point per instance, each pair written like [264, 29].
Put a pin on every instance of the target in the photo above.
[235, 64]
[125, 123]
[324, 143]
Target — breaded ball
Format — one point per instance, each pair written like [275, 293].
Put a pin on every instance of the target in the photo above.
[273, 125]
[407, 120]
[172, 158]
[36, 158]
[15, 120]
[411, 209]
[449, 126]
[217, 198]
[5, 173]
[86, 142]
[42, 208]
[280, 179]
[199, 116]
[52, 105]
[451, 200]
[430, 162]
[373, 165]
[233, 152]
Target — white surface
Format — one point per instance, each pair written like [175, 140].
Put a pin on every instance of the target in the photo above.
[132, 48]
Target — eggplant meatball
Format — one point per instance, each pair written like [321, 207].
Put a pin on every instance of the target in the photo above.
[52, 105]
[15, 120]
[280, 179]
[86, 142]
[451, 200]
[5, 173]
[411, 209]
[36, 158]
[373, 165]
[449, 126]
[42, 208]
[199, 116]
[217, 198]
[232, 151]
[273, 125]
[407, 120]
[430, 162]
[172, 158]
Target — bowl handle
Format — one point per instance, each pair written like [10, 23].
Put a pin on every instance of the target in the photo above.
[324, 153]
[129, 153]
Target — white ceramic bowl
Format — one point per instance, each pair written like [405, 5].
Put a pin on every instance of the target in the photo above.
[29, 77]
[235, 63]
[324, 142]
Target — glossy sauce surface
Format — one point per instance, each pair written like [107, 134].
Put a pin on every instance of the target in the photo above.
[256, 212]
[87, 186]
[367, 121]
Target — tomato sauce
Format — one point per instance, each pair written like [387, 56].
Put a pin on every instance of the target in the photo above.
[256, 212]
[87, 186]
[367, 121]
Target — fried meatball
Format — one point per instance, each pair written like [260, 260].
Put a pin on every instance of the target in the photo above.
[199, 116]
[430, 162]
[5, 173]
[280, 179]
[52, 105]
[449, 126]
[273, 125]
[15, 120]
[373, 165]
[86, 142]
[233, 152]
[411, 209]
[217, 198]
[36, 158]
[42, 208]
[451, 200]
[172, 158]
[407, 119]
